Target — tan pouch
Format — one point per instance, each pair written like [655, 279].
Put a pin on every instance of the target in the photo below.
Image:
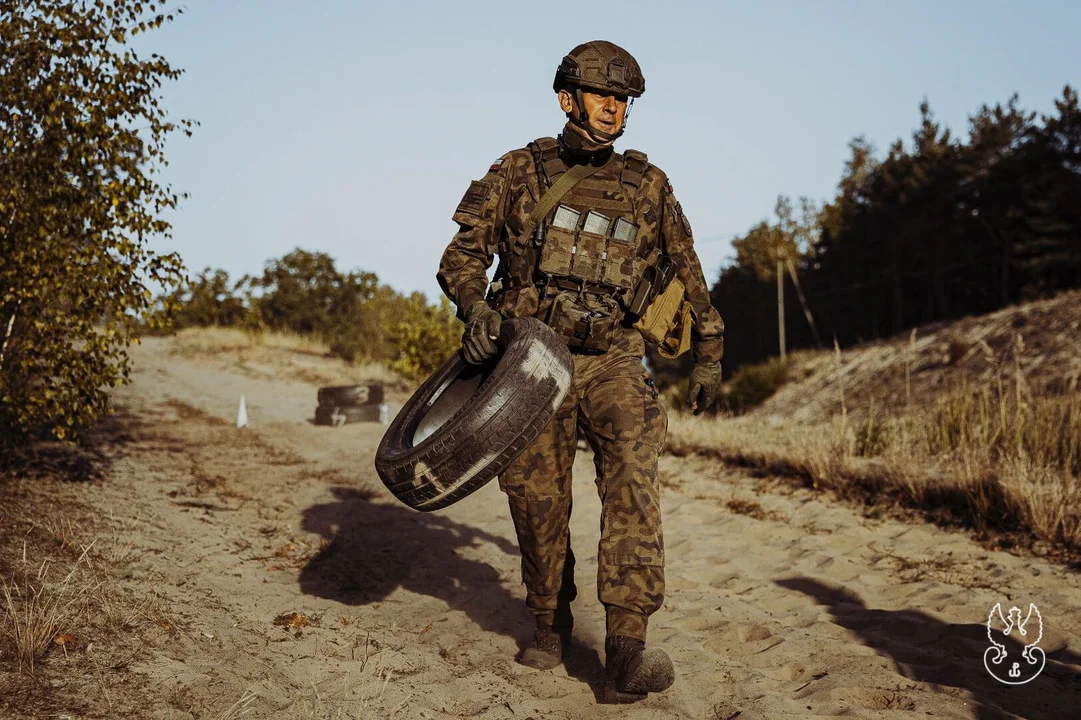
[588, 262]
[667, 321]
[586, 322]
[620, 264]
[558, 251]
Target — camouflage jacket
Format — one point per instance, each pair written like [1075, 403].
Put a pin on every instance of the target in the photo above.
[493, 218]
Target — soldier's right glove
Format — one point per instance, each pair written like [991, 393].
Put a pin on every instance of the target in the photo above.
[703, 386]
[481, 329]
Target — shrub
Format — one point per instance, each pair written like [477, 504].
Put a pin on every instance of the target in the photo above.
[82, 134]
[751, 385]
[424, 338]
[207, 300]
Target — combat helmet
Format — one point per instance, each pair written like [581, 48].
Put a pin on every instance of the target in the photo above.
[603, 67]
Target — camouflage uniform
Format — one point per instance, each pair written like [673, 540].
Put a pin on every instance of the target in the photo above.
[577, 269]
[612, 401]
[614, 404]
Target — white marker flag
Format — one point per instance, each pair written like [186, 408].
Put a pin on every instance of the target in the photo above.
[242, 414]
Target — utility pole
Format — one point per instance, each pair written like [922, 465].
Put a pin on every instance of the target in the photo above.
[780, 305]
[803, 302]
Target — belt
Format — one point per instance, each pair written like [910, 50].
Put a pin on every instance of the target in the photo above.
[582, 286]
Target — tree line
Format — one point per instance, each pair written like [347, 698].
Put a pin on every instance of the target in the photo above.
[936, 229]
[303, 292]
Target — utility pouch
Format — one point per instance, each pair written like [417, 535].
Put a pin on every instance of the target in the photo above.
[586, 321]
[516, 252]
[558, 251]
[654, 280]
[668, 320]
[589, 257]
[620, 262]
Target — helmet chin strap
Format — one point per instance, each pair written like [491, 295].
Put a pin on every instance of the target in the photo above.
[582, 121]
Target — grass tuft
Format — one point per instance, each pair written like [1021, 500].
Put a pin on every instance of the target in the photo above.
[36, 613]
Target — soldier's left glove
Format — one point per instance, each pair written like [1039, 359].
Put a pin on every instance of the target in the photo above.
[703, 387]
[482, 325]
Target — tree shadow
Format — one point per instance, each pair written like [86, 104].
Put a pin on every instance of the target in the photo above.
[39, 456]
[376, 548]
[926, 649]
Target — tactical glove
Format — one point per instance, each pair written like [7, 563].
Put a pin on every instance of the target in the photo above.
[704, 384]
[481, 329]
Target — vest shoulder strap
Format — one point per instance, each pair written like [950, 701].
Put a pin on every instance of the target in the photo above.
[546, 157]
[561, 187]
[635, 164]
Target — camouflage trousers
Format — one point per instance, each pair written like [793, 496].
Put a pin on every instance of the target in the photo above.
[614, 404]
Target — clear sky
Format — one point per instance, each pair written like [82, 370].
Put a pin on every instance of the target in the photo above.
[354, 128]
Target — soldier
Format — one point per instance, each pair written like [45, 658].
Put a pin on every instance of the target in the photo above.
[573, 252]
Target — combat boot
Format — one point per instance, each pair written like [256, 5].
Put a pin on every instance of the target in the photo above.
[548, 648]
[631, 671]
[550, 644]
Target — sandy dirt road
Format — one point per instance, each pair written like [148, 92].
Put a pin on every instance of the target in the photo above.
[796, 607]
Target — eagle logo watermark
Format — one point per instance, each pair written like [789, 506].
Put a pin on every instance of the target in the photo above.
[1011, 669]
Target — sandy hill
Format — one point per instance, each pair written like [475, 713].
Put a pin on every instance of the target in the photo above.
[1043, 338]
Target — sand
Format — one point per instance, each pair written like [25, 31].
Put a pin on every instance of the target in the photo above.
[300, 588]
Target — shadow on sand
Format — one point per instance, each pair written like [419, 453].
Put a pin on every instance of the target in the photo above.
[376, 548]
[929, 650]
[39, 456]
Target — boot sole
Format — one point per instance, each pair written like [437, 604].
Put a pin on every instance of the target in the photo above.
[540, 660]
[611, 695]
[653, 672]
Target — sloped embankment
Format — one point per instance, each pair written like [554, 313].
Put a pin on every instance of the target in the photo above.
[1042, 338]
[974, 423]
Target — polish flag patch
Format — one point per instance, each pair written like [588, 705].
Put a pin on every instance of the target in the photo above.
[496, 165]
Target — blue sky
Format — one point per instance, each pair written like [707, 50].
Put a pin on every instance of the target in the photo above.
[354, 128]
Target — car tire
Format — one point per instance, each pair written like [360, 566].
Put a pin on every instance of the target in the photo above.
[342, 395]
[466, 423]
[338, 416]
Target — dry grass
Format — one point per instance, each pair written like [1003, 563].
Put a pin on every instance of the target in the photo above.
[217, 340]
[70, 625]
[912, 370]
[34, 616]
[752, 509]
[792, 451]
[280, 355]
[241, 707]
[41, 604]
[996, 455]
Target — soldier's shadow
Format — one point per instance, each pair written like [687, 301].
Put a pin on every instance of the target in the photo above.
[584, 663]
[929, 650]
[376, 548]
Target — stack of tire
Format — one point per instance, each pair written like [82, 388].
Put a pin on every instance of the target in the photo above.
[343, 404]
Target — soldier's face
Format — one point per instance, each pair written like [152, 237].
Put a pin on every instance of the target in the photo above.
[604, 112]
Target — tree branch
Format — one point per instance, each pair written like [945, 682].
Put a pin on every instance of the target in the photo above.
[7, 335]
